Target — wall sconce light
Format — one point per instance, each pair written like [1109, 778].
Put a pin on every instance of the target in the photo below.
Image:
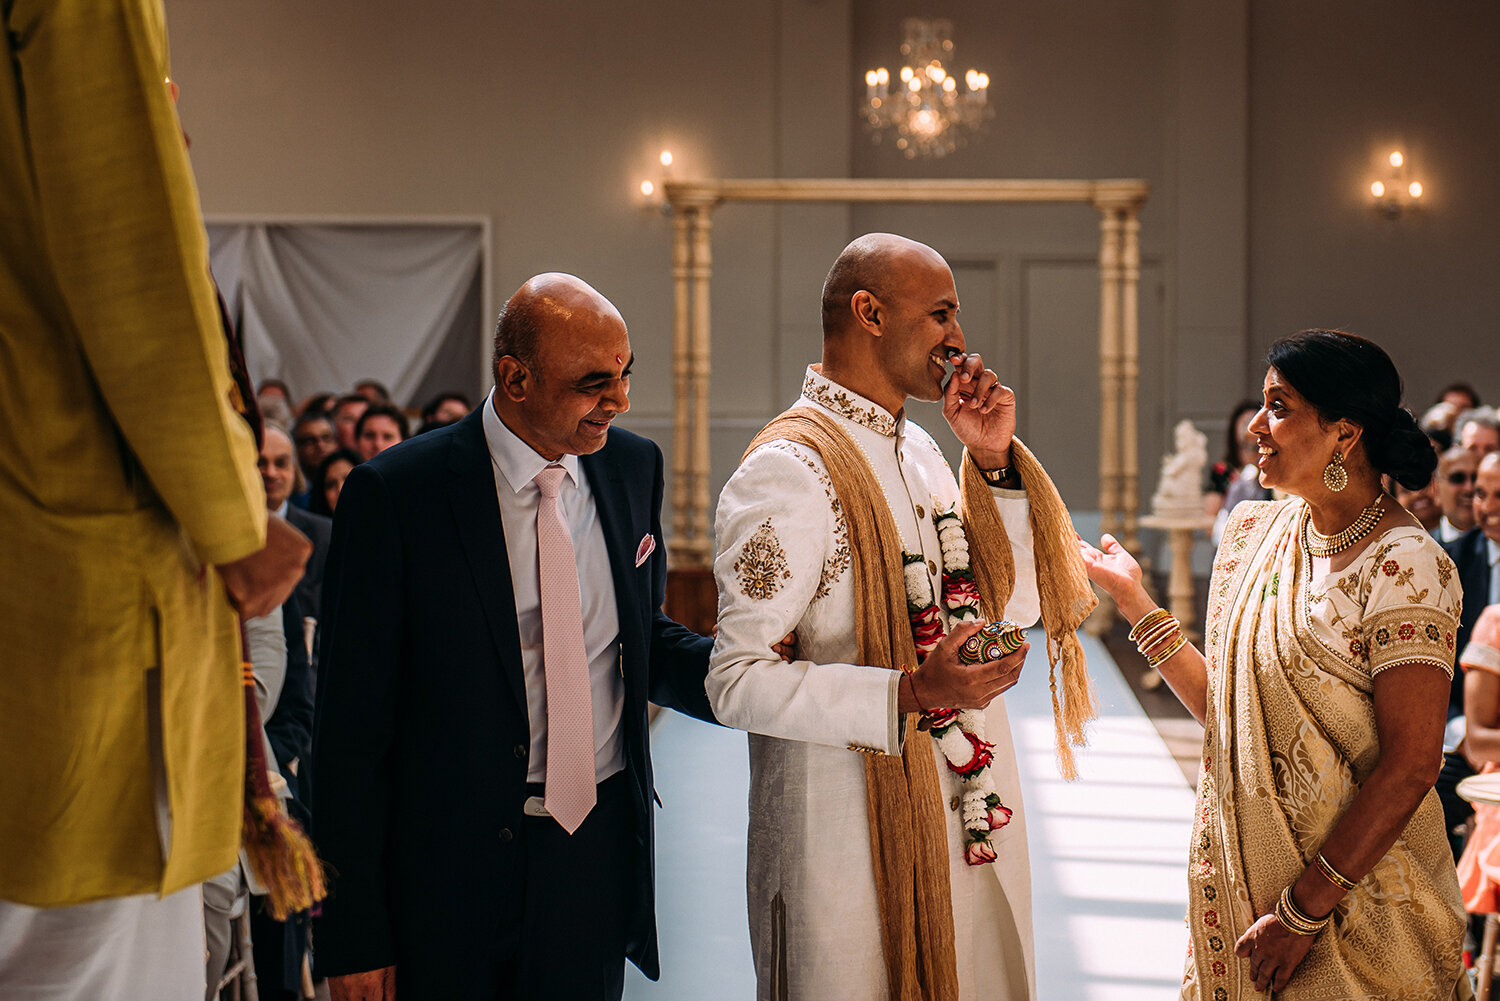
[1395, 194]
[650, 197]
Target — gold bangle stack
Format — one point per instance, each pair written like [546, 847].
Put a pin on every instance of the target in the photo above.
[1158, 635]
[1335, 877]
[1295, 919]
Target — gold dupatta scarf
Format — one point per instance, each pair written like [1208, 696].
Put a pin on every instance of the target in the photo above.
[908, 832]
[1289, 736]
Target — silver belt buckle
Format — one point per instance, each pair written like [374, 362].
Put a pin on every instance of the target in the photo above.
[535, 807]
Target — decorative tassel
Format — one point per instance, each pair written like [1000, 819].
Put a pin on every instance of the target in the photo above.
[279, 852]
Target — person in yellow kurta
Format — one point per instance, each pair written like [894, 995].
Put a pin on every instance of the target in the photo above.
[126, 476]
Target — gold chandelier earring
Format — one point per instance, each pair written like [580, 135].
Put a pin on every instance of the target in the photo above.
[1335, 476]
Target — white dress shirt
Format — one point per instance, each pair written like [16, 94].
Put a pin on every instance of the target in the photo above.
[516, 465]
[1446, 531]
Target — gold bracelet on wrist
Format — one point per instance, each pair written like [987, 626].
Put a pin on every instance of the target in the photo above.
[1146, 622]
[1295, 919]
[1335, 877]
[1157, 659]
[1158, 635]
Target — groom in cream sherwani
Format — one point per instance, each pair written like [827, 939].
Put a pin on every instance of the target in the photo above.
[838, 907]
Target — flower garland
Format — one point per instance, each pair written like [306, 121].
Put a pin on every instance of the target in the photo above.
[959, 733]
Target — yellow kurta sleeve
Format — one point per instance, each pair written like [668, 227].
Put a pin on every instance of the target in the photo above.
[123, 232]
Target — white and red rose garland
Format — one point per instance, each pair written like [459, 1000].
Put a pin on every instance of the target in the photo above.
[959, 733]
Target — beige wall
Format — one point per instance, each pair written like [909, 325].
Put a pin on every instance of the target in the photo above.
[1336, 86]
[1252, 122]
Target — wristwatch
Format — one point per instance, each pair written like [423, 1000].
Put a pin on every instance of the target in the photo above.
[1005, 476]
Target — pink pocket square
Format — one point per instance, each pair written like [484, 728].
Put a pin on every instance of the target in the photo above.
[647, 547]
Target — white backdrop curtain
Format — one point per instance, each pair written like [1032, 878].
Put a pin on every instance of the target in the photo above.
[322, 306]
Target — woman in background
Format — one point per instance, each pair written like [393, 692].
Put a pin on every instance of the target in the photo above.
[1234, 478]
[330, 480]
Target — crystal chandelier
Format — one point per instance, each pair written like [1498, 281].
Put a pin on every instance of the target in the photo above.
[927, 113]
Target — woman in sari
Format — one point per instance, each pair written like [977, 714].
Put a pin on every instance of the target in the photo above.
[1318, 866]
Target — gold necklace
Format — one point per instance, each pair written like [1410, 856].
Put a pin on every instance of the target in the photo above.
[1318, 544]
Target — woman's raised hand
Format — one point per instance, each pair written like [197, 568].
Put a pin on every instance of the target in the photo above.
[1116, 571]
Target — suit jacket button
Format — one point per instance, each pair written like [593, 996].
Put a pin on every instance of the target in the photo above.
[506, 836]
[520, 750]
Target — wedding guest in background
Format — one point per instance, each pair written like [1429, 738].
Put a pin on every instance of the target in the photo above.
[372, 390]
[1454, 486]
[274, 407]
[1475, 552]
[1478, 430]
[282, 476]
[1234, 478]
[315, 437]
[378, 428]
[1422, 504]
[1239, 452]
[346, 414]
[1460, 395]
[328, 481]
[273, 387]
[318, 403]
[444, 408]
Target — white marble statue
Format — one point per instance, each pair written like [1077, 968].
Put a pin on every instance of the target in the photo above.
[1180, 490]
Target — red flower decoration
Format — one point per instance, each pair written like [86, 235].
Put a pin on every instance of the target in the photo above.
[1407, 631]
[1449, 640]
[1219, 969]
[940, 719]
[1356, 647]
[1211, 918]
[927, 630]
[979, 853]
[998, 817]
[983, 755]
[1390, 568]
[960, 591]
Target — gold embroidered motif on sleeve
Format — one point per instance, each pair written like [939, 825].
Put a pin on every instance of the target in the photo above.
[838, 560]
[1445, 570]
[761, 566]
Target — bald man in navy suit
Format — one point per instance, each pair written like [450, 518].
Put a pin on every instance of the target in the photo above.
[449, 877]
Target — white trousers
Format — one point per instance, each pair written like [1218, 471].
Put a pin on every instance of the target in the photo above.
[125, 949]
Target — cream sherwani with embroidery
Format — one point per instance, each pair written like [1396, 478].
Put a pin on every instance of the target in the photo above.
[783, 564]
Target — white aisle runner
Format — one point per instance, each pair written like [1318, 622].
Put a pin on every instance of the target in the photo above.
[1108, 853]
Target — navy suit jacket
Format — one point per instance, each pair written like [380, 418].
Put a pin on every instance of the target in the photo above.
[1472, 555]
[420, 754]
[319, 531]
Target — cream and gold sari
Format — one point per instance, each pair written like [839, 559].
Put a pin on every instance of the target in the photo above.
[1290, 736]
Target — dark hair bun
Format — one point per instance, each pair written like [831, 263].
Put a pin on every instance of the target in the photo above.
[1404, 452]
[1347, 377]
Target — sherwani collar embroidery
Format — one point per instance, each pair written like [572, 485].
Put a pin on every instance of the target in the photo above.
[848, 404]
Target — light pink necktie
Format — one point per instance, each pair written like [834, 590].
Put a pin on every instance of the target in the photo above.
[570, 704]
